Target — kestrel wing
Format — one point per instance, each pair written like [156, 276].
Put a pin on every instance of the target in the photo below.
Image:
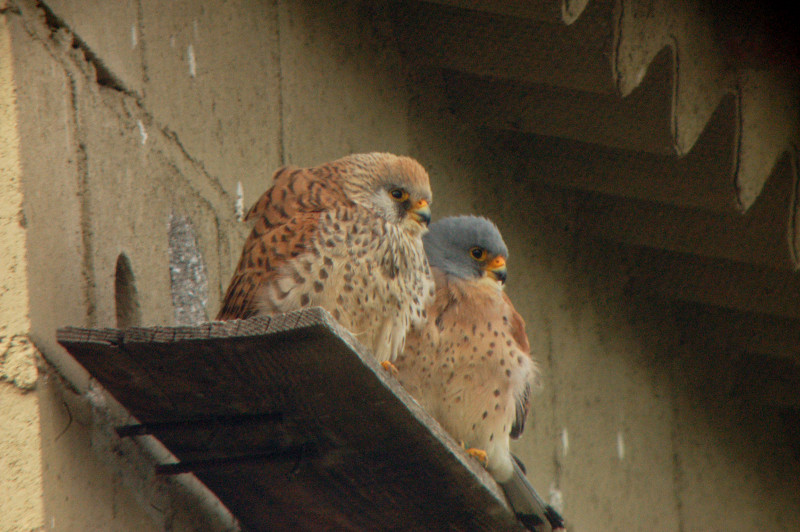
[523, 406]
[297, 190]
[239, 297]
[265, 250]
[524, 401]
[517, 326]
[287, 216]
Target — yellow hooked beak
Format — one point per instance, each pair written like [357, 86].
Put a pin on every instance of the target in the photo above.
[496, 269]
[421, 212]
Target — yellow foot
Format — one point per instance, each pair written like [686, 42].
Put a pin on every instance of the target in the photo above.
[478, 454]
[388, 366]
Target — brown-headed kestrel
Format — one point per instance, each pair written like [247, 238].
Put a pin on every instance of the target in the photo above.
[345, 236]
[470, 366]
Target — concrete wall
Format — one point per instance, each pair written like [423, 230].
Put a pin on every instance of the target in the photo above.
[119, 119]
[20, 445]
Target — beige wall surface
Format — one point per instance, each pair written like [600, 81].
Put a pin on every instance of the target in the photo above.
[132, 115]
[21, 505]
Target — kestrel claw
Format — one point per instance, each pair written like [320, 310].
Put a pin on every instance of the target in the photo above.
[345, 236]
[391, 368]
[479, 455]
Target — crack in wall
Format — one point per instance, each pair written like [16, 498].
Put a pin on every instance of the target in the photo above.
[82, 170]
[142, 44]
[279, 63]
[677, 465]
[794, 206]
[173, 136]
[558, 464]
[10, 9]
[103, 74]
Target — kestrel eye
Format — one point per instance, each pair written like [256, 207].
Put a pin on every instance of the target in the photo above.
[399, 194]
[478, 253]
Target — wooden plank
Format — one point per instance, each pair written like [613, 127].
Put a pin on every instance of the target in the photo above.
[262, 389]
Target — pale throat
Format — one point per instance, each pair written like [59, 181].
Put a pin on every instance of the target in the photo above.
[487, 283]
[482, 292]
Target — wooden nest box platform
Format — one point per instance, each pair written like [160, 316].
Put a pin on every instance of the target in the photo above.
[292, 424]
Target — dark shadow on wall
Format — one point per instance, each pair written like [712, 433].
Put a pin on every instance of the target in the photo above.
[126, 297]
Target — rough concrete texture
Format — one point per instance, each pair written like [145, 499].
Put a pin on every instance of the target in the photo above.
[13, 291]
[21, 506]
[187, 269]
[117, 120]
[55, 237]
[339, 95]
[72, 257]
[18, 360]
[222, 59]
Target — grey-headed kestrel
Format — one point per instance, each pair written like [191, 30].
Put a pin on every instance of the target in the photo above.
[470, 366]
[345, 236]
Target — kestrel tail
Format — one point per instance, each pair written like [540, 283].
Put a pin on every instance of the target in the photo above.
[470, 366]
[345, 236]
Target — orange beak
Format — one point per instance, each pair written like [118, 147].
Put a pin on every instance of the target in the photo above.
[496, 269]
[421, 212]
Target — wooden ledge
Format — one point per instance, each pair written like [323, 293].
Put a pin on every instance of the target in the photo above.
[292, 424]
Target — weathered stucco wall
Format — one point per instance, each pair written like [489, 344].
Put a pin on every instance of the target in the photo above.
[20, 450]
[131, 115]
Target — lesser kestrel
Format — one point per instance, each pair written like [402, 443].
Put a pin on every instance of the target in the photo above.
[345, 236]
[470, 366]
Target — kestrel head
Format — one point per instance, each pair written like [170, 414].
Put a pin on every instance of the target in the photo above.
[467, 247]
[393, 187]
